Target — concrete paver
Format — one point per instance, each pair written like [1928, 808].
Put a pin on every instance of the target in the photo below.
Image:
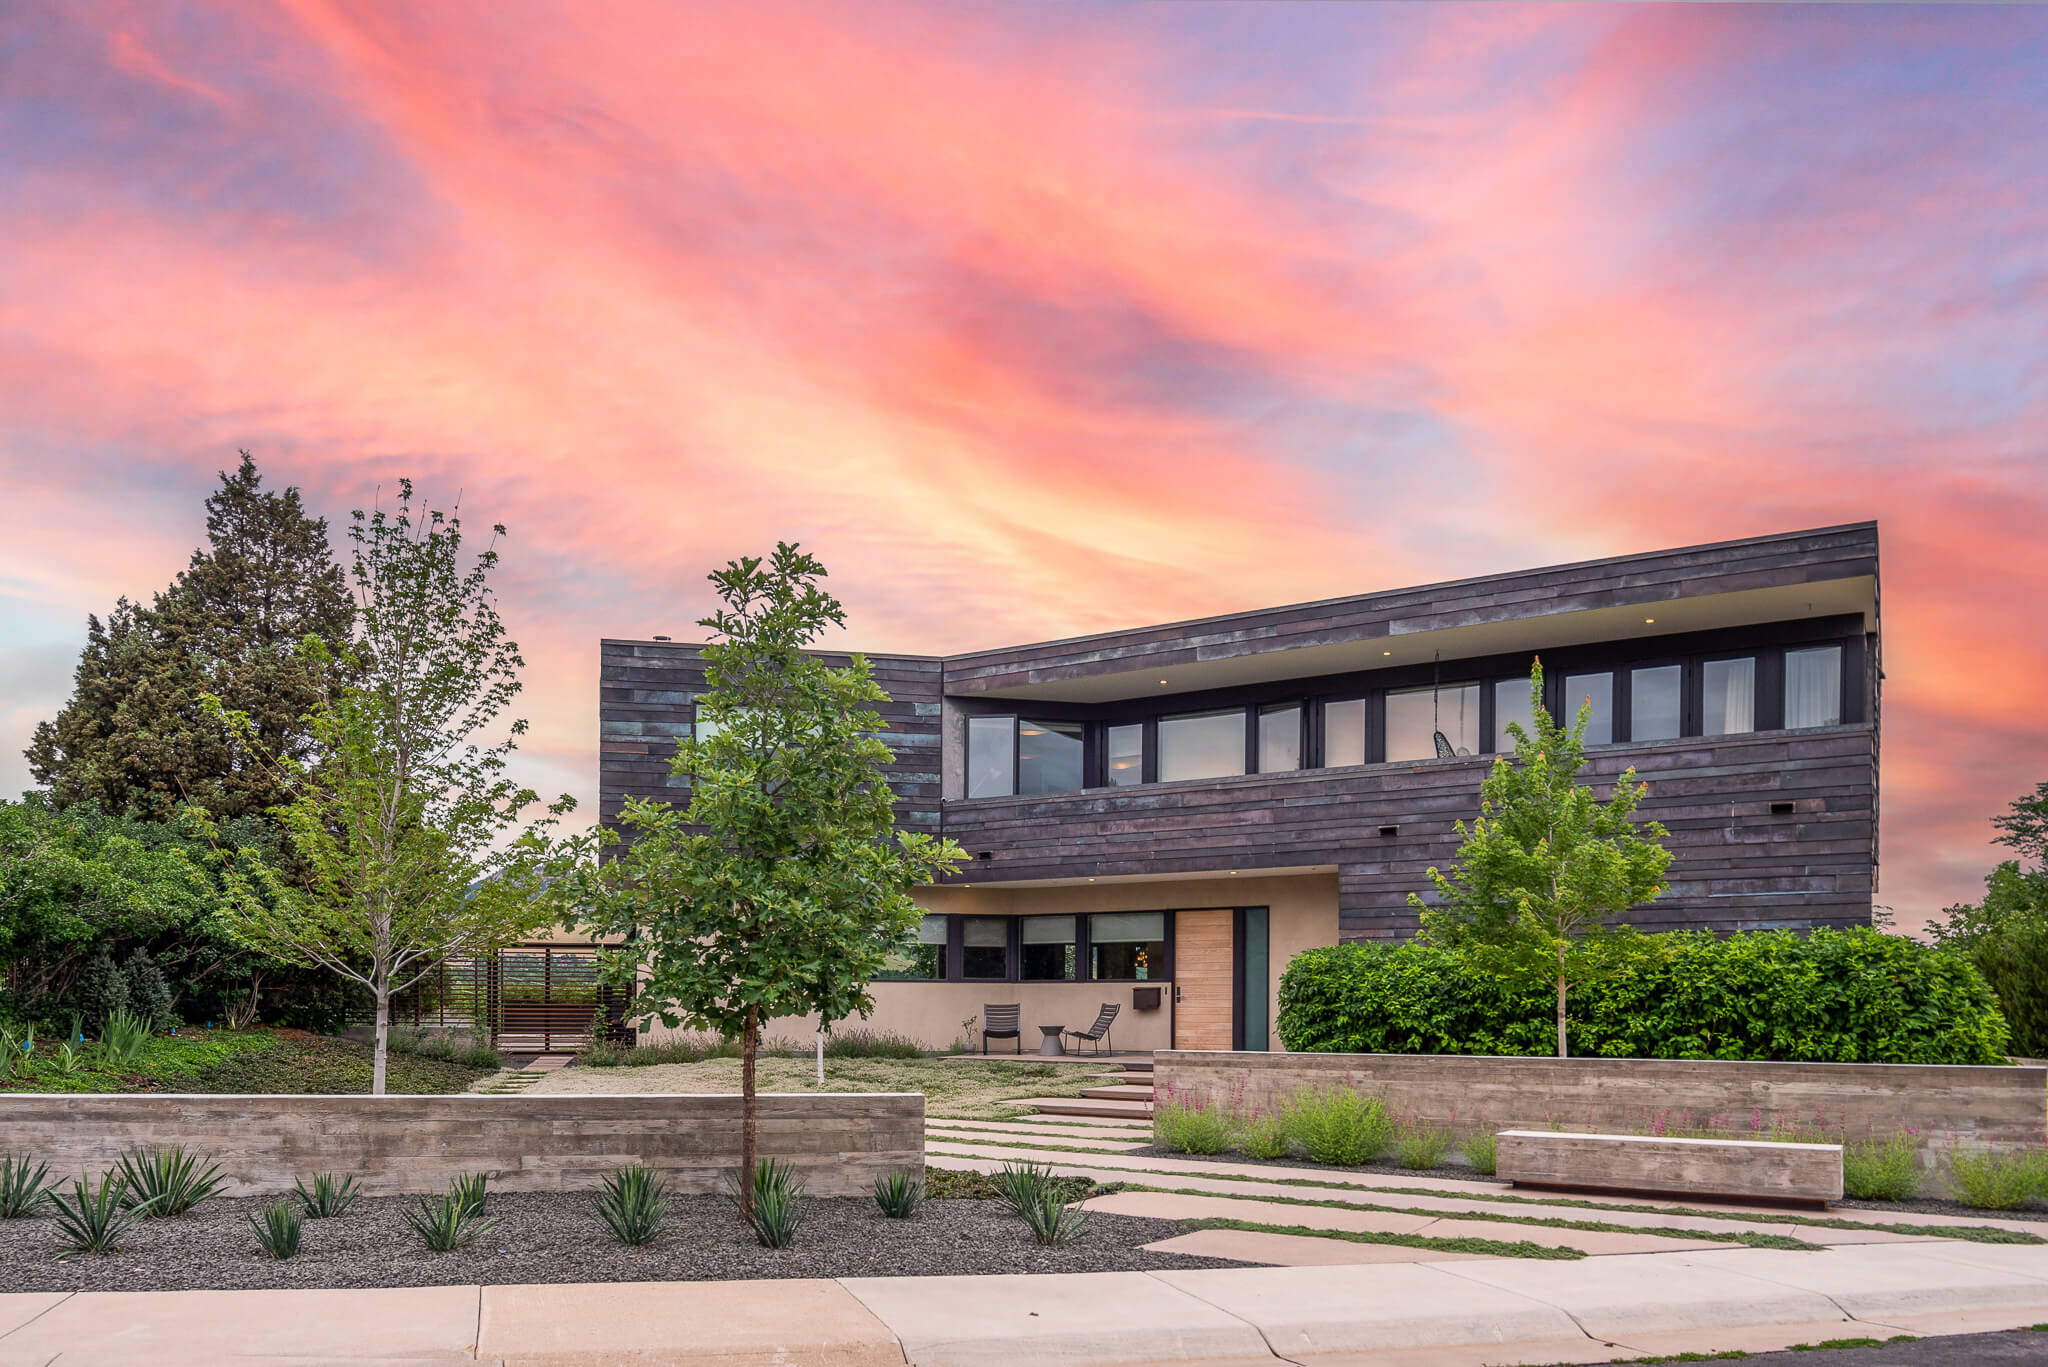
[189, 1328]
[1158, 1205]
[1077, 1320]
[1316, 1313]
[19, 1307]
[729, 1324]
[1879, 1282]
[1296, 1250]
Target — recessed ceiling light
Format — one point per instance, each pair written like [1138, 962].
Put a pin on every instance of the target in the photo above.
[1091, 880]
[1386, 652]
[1233, 873]
[1162, 683]
[1649, 621]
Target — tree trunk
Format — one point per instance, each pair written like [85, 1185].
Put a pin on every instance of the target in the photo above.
[750, 1045]
[1561, 1051]
[383, 1040]
[821, 1058]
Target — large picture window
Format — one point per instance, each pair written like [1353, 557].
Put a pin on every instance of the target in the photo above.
[1048, 756]
[1653, 703]
[1415, 715]
[1127, 944]
[985, 947]
[1813, 687]
[919, 956]
[1511, 704]
[1046, 948]
[991, 756]
[1201, 745]
[1344, 732]
[1728, 697]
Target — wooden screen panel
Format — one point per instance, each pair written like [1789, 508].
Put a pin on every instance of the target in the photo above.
[1203, 980]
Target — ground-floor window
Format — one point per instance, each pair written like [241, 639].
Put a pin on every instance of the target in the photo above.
[985, 947]
[920, 956]
[1046, 945]
[1127, 944]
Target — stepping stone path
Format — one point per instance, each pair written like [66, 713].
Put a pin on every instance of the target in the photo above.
[520, 1074]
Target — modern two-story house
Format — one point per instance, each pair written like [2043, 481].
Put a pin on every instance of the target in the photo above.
[1161, 817]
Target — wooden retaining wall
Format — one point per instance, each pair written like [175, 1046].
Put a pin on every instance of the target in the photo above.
[1943, 1106]
[837, 1142]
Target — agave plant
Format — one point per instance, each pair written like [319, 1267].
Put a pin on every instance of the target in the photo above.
[899, 1193]
[278, 1230]
[169, 1180]
[327, 1198]
[446, 1224]
[23, 1188]
[634, 1205]
[778, 1203]
[1054, 1222]
[95, 1218]
[1022, 1186]
[472, 1190]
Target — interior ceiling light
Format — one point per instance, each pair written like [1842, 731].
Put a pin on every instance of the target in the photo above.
[1649, 621]
[1162, 683]
[1386, 652]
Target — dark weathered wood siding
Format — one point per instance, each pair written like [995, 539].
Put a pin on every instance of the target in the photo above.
[647, 694]
[1846, 552]
[1738, 865]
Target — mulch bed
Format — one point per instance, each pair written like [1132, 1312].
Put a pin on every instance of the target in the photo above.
[557, 1237]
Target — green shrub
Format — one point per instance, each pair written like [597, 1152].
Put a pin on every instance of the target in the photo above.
[446, 1224]
[1187, 1129]
[601, 1053]
[1020, 1186]
[149, 996]
[398, 1039]
[94, 1218]
[22, 1188]
[1263, 1136]
[1995, 1181]
[1338, 1126]
[899, 1193]
[1420, 1146]
[1053, 1221]
[778, 1203]
[1480, 1151]
[864, 1043]
[472, 1053]
[278, 1231]
[1849, 996]
[472, 1189]
[328, 1199]
[1881, 1169]
[169, 1182]
[123, 1039]
[634, 1205]
[101, 992]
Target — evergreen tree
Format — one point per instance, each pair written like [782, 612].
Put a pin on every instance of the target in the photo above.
[135, 736]
[101, 992]
[149, 996]
[2006, 934]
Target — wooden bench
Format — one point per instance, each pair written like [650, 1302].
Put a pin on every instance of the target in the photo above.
[1728, 1169]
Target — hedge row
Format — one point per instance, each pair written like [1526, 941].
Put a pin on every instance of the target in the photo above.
[1854, 996]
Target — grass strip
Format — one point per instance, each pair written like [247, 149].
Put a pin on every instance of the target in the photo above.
[1754, 1240]
[1737, 1354]
[1497, 1248]
[1972, 1234]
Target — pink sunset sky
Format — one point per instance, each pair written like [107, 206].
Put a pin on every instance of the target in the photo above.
[1036, 319]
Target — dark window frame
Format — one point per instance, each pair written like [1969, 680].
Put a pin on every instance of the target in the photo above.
[956, 943]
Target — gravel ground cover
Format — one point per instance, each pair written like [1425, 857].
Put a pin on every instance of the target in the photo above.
[966, 1091]
[557, 1237]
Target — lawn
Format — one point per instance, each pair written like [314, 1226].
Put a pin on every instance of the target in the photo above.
[959, 1091]
[275, 1061]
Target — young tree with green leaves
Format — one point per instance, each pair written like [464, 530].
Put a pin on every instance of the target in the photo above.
[780, 889]
[136, 737]
[416, 844]
[1545, 870]
[2006, 934]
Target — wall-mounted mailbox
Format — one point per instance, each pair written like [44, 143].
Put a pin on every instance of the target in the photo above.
[1144, 999]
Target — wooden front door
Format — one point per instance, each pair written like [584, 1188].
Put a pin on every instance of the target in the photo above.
[1204, 985]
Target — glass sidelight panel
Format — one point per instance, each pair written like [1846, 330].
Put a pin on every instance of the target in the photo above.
[1653, 697]
[1046, 944]
[1728, 697]
[1127, 944]
[1258, 985]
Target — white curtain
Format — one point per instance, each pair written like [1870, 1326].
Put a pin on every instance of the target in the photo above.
[1813, 687]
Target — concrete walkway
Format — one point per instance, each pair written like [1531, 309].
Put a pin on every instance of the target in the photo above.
[1447, 1313]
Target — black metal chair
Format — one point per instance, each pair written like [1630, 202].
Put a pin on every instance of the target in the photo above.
[1098, 1033]
[1000, 1022]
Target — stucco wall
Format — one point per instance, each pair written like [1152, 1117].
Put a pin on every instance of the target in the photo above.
[1943, 1106]
[1303, 913]
[838, 1143]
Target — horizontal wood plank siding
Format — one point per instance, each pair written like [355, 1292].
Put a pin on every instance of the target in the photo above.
[1737, 865]
[647, 693]
[1847, 552]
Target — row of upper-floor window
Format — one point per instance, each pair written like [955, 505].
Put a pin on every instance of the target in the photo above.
[1717, 695]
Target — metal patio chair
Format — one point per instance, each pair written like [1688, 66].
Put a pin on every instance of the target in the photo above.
[1000, 1022]
[1098, 1033]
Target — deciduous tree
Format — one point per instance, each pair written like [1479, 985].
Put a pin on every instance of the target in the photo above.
[1547, 867]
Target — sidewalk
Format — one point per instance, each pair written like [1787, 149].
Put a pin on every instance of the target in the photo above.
[1439, 1314]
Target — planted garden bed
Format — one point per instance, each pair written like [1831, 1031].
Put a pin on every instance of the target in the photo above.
[558, 1237]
